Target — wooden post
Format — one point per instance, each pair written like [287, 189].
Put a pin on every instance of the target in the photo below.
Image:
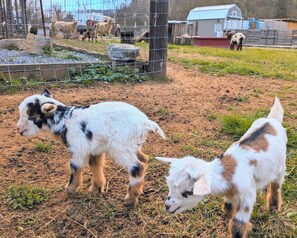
[17, 17]
[9, 19]
[23, 17]
[42, 15]
[2, 19]
[26, 18]
[158, 38]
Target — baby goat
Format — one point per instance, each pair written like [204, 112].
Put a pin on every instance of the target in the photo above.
[235, 38]
[116, 128]
[255, 161]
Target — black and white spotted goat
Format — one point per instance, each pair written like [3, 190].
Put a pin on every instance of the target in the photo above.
[116, 128]
[235, 38]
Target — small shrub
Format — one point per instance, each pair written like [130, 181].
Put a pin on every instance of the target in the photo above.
[13, 47]
[43, 147]
[72, 57]
[48, 50]
[25, 197]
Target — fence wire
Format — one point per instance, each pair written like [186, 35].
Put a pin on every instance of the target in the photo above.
[133, 20]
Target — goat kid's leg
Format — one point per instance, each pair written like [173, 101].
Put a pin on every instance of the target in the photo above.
[239, 225]
[142, 157]
[97, 164]
[137, 173]
[229, 206]
[274, 195]
[231, 46]
[75, 177]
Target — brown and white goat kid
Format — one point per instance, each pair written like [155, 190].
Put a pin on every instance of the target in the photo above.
[257, 160]
[116, 128]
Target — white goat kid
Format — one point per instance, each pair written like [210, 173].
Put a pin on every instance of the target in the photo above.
[255, 161]
[116, 128]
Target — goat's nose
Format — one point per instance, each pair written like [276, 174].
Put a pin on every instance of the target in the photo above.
[167, 207]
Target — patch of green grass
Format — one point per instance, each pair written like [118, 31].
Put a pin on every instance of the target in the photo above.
[293, 115]
[240, 98]
[43, 147]
[211, 116]
[177, 138]
[164, 111]
[256, 92]
[215, 143]
[106, 73]
[25, 197]
[192, 149]
[292, 137]
[72, 57]
[236, 124]
[255, 62]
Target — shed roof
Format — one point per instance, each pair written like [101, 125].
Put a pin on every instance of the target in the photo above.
[210, 12]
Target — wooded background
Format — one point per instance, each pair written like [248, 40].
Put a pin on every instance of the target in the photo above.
[179, 9]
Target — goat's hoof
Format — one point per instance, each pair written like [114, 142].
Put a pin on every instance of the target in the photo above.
[70, 189]
[96, 189]
[129, 201]
[272, 208]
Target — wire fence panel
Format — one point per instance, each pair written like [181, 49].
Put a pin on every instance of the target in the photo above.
[126, 39]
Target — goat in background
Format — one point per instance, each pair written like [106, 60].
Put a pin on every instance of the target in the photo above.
[235, 38]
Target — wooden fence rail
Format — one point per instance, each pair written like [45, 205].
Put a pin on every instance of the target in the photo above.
[271, 37]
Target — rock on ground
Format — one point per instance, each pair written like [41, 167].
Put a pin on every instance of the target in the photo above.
[123, 52]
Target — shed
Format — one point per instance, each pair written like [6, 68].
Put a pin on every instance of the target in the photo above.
[210, 21]
[176, 29]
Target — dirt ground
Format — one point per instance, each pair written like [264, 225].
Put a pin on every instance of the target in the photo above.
[181, 107]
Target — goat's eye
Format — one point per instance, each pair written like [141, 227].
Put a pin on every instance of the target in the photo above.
[187, 193]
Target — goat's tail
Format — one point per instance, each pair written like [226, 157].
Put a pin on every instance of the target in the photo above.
[154, 127]
[277, 111]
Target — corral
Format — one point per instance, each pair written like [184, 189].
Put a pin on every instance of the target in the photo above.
[207, 100]
[189, 108]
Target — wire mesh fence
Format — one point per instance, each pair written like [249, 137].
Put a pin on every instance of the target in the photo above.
[126, 40]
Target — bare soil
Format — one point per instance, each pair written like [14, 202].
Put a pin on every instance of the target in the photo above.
[181, 107]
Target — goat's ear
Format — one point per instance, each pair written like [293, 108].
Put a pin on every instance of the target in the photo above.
[166, 160]
[202, 187]
[46, 93]
[48, 108]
